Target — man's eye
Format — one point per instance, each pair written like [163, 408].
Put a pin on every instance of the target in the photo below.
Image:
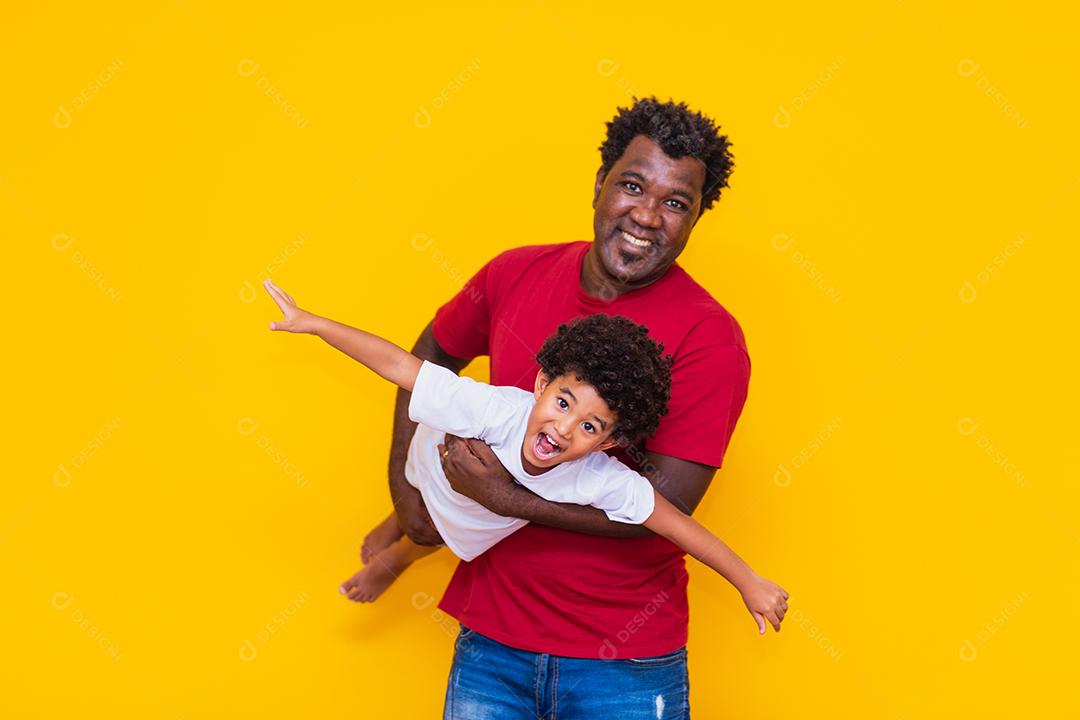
[562, 403]
[631, 186]
[677, 205]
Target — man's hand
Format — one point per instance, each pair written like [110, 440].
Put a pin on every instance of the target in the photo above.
[474, 471]
[413, 516]
[766, 601]
[295, 320]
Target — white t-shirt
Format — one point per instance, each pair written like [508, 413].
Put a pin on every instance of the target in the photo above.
[443, 402]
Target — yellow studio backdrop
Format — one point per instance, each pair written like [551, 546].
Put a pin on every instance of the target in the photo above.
[185, 490]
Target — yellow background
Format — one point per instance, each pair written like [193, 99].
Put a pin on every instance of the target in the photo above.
[184, 490]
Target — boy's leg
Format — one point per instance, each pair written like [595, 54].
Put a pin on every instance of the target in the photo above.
[384, 569]
[381, 537]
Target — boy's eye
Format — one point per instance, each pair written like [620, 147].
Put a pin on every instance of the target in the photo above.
[562, 403]
[588, 427]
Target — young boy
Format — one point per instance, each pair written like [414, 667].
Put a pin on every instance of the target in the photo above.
[601, 378]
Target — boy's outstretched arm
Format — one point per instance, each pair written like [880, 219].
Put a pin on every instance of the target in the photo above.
[384, 357]
[763, 598]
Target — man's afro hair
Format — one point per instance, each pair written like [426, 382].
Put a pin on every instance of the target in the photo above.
[618, 358]
[679, 131]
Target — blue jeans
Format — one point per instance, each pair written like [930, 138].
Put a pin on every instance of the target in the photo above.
[492, 681]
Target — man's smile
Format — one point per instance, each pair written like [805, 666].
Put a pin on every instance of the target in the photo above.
[636, 241]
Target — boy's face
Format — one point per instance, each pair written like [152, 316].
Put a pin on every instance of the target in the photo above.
[570, 420]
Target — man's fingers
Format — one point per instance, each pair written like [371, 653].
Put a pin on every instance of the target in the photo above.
[470, 447]
[774, 620]
[760, 622]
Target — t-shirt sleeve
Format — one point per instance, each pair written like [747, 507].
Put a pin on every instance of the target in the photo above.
[709, 383]
[451, 403]
[623, 495]
[462, 326]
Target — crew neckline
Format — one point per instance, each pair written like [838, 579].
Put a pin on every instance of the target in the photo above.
[632, 295]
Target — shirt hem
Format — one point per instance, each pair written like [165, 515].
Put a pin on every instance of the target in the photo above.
[604, 650]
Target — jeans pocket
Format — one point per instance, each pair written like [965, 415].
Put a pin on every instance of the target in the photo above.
[660, 660]
[465, 634]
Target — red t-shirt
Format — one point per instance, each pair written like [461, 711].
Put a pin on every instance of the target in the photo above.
[566, 593]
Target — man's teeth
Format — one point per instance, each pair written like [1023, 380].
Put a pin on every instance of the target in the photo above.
[636, 242]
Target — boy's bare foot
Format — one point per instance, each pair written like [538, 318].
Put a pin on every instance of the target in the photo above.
[369, 583]
[381, 537]
[383, 570]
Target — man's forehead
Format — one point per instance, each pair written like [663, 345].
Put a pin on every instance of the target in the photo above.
[648, 159]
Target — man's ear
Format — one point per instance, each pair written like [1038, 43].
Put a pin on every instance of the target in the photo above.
[600, 175]
[542, 381]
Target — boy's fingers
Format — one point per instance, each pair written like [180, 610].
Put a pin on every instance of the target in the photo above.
[284, 294]
[280, 296]
[275, 295]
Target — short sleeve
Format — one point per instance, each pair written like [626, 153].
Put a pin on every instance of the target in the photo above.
[623, 495]
[708, 390]
[451, 403]
[462, 326]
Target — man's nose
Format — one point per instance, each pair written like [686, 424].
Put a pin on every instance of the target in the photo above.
[645, 215]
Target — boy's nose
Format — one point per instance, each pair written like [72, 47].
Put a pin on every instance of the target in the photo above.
[563, 429]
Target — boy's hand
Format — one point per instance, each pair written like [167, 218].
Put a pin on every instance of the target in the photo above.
[766, 601]
[296, 320]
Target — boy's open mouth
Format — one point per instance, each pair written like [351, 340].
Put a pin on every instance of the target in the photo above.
[544, 448]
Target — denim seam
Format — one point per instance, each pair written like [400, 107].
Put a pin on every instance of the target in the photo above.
[536, 685]
[555, 693]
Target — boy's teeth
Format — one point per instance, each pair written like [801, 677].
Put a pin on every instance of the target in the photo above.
[638, 242]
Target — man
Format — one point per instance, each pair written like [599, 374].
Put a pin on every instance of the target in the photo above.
[574, 612]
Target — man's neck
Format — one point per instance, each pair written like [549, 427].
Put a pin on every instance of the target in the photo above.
[598, 283]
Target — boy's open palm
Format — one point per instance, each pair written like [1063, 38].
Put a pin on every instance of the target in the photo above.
[295, 320]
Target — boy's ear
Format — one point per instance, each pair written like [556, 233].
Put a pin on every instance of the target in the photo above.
[611, 442]
[542, 381]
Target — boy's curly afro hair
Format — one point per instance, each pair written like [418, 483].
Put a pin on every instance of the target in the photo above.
[679, 131]
[618, 358]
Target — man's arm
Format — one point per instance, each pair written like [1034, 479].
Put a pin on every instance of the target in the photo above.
[409, 506]
[474, 471]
